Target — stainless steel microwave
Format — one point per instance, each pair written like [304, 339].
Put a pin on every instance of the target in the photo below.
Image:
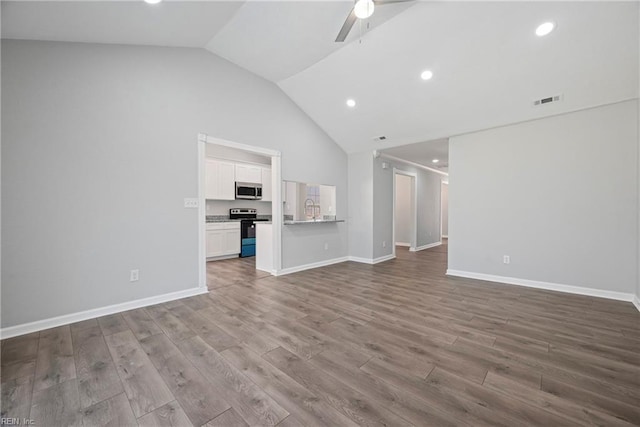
[248, 190]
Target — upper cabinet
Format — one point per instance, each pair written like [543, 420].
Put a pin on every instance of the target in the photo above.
[266, 185]
[221, 177]
[248, 173]
[220, 180]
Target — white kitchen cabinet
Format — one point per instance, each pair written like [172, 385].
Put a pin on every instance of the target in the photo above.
[220, 181]
[215, 240]
[223, 239]
[266, 185]
[248, 173]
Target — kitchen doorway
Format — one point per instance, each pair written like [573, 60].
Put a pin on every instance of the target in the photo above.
[224, 191]
[404, 210]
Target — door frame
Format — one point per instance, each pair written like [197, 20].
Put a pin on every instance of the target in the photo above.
[442, 184]
[414, 209]
[276, 200]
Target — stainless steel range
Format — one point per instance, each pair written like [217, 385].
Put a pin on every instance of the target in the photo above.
[247, 217]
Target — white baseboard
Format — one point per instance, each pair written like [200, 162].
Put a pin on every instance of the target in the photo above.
[39, 325]
[403, 244]
[272, 272]
[310, 266]
[423, 247]
[636, 302]
[372, 260]
[221, 257]
[600, 293]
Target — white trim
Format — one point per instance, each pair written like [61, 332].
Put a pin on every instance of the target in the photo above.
[66, 319]
[277, 214]
[636, 302]
[403, 244]
[441, 208]
[423, 247]
[445, 236]
[202, 216]
[600, 293]
[418, 165]
[372, 261]
[258, 150]
[303, 267]
[223, 257]
[240, 162]
[276, 199]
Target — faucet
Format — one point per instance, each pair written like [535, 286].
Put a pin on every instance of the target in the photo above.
[312, 206]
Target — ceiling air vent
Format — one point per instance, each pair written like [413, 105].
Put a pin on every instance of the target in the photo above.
[547, 100]
[379, 138]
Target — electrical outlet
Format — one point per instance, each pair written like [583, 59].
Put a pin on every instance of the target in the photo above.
[326, 246]
[135, 276]
[384, 244]
[506, 259]
[190, 202]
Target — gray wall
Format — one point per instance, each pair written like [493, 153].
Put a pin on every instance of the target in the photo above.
[428, 205]
[361, 205]
[403, 209]
[445, 209]
[99, 150]
[558, 195]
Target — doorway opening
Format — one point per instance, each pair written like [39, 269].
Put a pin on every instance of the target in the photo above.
[404, 210]
[239, 188]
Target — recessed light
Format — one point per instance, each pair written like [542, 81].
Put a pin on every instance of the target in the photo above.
[152, 1]
[351, 103]
[435, 161]
[426, 75]
[544, 29]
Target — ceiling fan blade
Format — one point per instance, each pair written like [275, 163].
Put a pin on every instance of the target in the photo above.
[346, 27]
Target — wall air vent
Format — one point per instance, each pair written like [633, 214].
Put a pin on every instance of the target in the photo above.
[379, 138]
[547, 100]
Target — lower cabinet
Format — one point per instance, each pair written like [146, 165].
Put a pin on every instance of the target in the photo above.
[223, 238]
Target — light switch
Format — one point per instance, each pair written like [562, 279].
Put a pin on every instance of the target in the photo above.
[190, 203]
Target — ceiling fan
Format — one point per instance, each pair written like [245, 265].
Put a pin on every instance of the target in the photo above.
[362, 9]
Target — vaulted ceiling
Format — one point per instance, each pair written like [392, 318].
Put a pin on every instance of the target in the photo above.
[488, 65]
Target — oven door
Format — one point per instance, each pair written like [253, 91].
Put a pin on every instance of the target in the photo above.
[245, 191]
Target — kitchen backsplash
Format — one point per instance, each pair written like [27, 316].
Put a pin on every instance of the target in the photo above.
[221, 207]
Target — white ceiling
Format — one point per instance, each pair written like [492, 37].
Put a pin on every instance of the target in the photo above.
[170, 23]
[423, 153]
[488, 65]
[278, 40]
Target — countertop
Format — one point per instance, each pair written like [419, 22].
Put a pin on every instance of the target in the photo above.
[311, 221]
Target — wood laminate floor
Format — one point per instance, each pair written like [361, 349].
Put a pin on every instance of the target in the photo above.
[395, 344]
